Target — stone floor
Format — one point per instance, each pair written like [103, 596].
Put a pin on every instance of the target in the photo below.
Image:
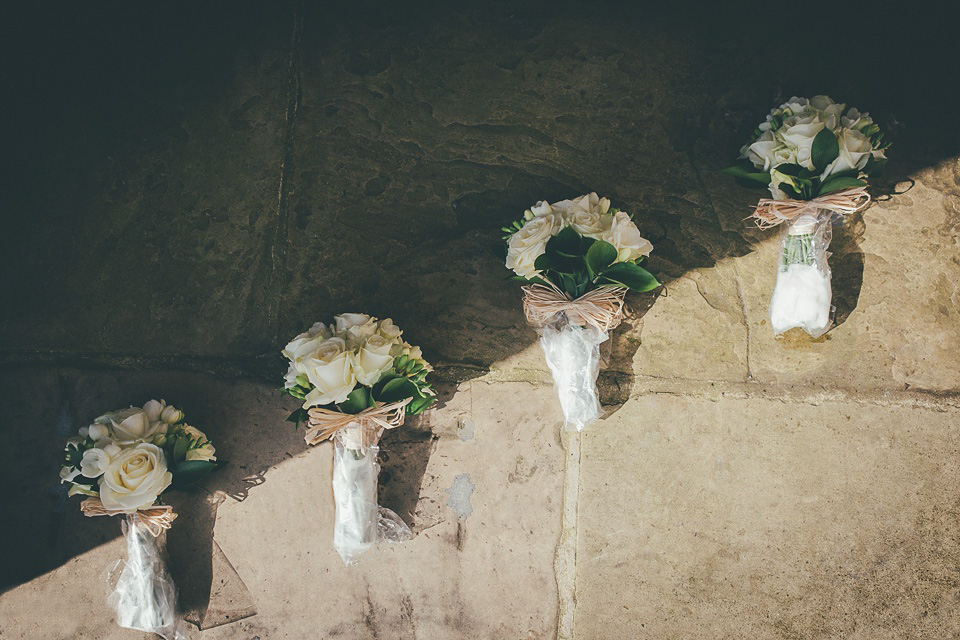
[187, 186]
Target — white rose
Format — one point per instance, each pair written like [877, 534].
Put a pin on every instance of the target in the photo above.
[528, 244]
[84, 432]
[94, 462]
[761, 151]
[589, 203]
[134, 425]
[356, 324]
[373, 359]
[204, 453]
[795, 105]
[134, 478]
[306, 342]
[388, 330]
[855, 152]
[330, 371]
[586, 223]
[856, 120]
[799, 135]
[624, 235]
[542, 208]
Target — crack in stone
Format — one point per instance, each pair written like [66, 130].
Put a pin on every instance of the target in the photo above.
[278, 246]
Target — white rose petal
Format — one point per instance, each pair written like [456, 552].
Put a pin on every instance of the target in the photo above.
[171, 415]
[204, 453]
[585, 223]
[135, 478]
[82, 490]
[855, 152]
[373, 359]
[332, 378]
[94, 462]
[624, 235]
[134, 425]
[542, 208]
[528, 244]
[800, 136]
[388, 330]
[153, 409]
[98, 432]
[67, 474]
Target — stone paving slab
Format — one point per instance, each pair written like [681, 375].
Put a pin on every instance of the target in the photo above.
[895, 274]
[764, 518]
[479, 479]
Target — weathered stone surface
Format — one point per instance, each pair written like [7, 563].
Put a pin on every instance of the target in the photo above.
[731, 518]
[143, 197]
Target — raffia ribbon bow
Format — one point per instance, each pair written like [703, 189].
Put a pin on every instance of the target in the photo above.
[323, 423]
[770, 213]
[602, 307]
[156, 519]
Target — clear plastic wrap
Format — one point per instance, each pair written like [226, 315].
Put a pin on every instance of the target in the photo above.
[802, 296]
[145, 597]
[573, 355]
[360, 522]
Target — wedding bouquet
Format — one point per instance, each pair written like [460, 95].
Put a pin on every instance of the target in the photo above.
[813, 157]
[578, 258]
[124, 462]
[356, 378]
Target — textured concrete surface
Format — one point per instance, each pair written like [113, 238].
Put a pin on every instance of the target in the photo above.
[188, 186]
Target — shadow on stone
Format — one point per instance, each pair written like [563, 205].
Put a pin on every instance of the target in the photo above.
[846, 264]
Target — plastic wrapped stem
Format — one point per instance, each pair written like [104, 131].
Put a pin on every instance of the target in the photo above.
[573, 355]
[360, 522]
[145, 597]
[802, 296]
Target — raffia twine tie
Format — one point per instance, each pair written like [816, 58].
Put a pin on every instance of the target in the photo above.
[769, 213]
[156, 519]
[323, 423]
[602, 307]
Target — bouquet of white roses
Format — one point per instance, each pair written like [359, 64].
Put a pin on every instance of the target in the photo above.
[578, 258]
[124, 462]
[813, 157]
[356, 378]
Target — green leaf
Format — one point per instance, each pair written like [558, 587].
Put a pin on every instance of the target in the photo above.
[557, 262]
[600, 256]
[298, 417]
[630, 275]
[849, 173]
[190, 472]
[180, 448]
[358, 400]
[825, 149]
[792, 170]
[566, 243]
[419, 405]
[533, 280]
[741, 173]
[398, 389]
[837, 184]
